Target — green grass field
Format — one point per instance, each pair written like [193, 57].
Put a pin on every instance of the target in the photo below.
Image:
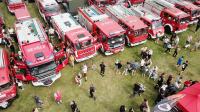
[113, 89]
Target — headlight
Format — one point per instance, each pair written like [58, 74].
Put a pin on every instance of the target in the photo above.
[112, 42]
[120, 39]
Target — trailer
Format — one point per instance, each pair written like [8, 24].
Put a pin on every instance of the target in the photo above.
[108, 32]
[81, 43]
[8, 88]
[38, 58]
[136, 30]
[174, 19]
[12, 5]
[187, 7]
[156, 29]
[48, 8]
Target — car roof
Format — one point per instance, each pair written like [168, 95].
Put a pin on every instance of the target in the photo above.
[4, 70]
[33, 40]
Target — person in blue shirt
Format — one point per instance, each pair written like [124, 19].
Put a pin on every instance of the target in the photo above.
[180, 61]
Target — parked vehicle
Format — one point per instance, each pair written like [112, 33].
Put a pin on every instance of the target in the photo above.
[48, 8]
[108, 32]
[174, 19]
[14, 4]
[156, 29]
[39, 60]
[187, 7]
[8, 88]
[80, 42]
[136, 30]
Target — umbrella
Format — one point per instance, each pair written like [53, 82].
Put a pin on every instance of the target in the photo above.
[168, 103]
[191, 101]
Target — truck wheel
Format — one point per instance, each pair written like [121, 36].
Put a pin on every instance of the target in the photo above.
[168, 30]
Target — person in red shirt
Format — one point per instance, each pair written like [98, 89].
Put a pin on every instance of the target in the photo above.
[58, 97]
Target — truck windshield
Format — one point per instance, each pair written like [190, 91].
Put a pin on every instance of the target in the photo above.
[83, 45]
[52, 8]
[5, 86]
[116, 41]
[140, 32]
[45, 69]
[183, 20]
[156, 24]
[195, 12]
[14, 1]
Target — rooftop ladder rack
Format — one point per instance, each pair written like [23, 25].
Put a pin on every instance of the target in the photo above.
[120, 11]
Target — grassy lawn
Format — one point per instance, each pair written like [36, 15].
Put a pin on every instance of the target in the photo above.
[113, 89]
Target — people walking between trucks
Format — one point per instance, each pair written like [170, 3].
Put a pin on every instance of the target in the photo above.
[180, 61]
[188, 41]
[74, 106]
[78, 79]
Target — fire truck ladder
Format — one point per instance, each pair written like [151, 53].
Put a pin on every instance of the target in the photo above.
[163, 3]
[184, 3]
[119, 11]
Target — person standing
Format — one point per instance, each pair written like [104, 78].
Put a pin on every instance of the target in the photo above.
[168, 49]
[84, 71]
[198, 25]
[160, 80]
[58, 97]
[12, 48]
[175, 51]
[169, 80]
[185, 65]
[102, 69]
[122, 108]
[71, 59]
[188, 41]
[92, 90]
[144, 107]
[180, 61]
[74, 106]
[131, 110]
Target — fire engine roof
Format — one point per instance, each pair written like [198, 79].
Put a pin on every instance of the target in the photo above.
[32, 40]
[78, 35]
[22, 13]
[48, 2]
[4, 71]
[14, 1]
[189, 5]
[176, 12]
[134, 22]
[109, 27]
[65, 22]
[94, 14]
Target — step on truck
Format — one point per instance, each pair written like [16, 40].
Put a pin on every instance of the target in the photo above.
[48, 8]
[38, 58]
[156, 29]
[173, 19]
[136, 30]
[8, 88]
[12, 5]
[81, 43]
[108, 32]
[189, 8]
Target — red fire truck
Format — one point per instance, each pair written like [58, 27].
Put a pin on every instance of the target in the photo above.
[174, 20]
[39, 59]
[154, 21]
[8, 89]
[108, 32]
[189, 8]
[136, 30]
[81, 43]
[48, 8]
[14, 4]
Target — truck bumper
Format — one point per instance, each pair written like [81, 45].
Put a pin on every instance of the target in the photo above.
[86, 58]
[107, 53]
[52, 78]
[138, 43]
[179, 31]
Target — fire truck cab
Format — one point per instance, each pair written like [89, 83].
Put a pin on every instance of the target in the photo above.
[14, 4]
[37, 53]
[8, 88]
[136, 30]
[174, 19]
[48, 8]
[189, 8]
[108, 32]
[80, 42]
[154, 21]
